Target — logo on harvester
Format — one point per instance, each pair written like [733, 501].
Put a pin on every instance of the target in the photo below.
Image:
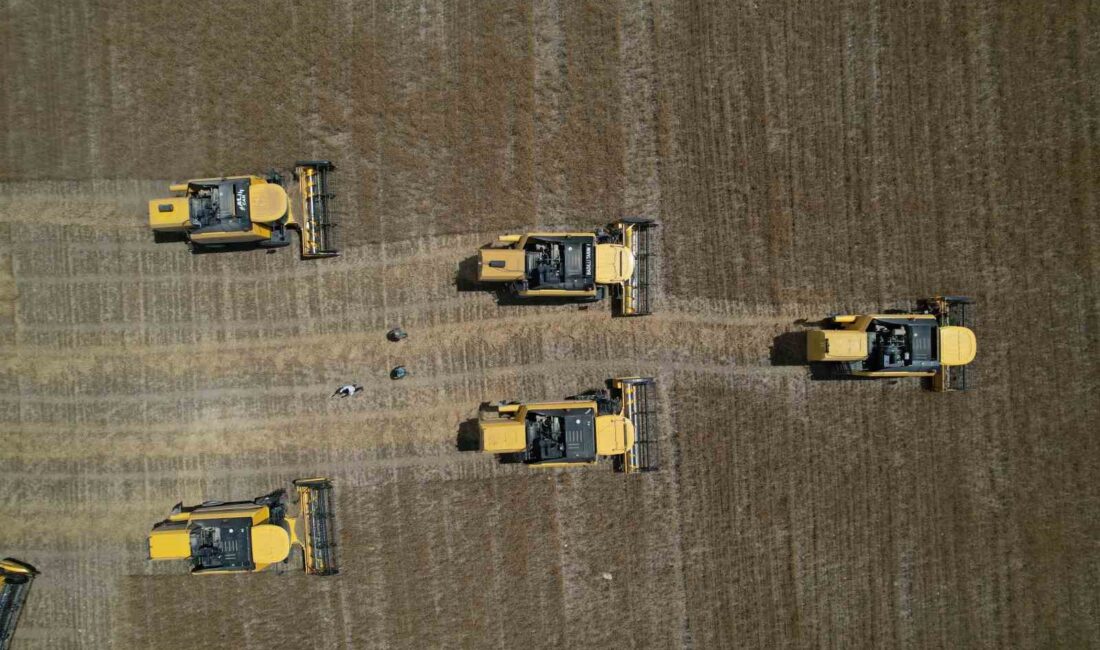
[242, 199]
[587, 260]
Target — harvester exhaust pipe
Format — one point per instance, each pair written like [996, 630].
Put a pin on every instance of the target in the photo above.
[15, 583]
[319, 526]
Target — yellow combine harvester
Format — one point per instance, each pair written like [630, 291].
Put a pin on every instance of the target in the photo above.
[934, 341]
[576, 266]
[619, 422]
[15, 583]
[244, 212]
[244, 536]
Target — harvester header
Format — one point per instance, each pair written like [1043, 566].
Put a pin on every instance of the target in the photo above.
[15, 583]
[318, 536]
[317, 226]
[633, 294]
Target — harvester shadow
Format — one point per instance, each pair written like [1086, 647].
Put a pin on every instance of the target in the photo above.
[469, 436]
[833, 372]
[789, 349]
[466, 277]
[504, 298]
[181, 238]
[234, 248]
[160, 237]
[466, 281]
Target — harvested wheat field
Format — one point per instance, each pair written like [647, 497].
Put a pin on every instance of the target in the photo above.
[803, 158]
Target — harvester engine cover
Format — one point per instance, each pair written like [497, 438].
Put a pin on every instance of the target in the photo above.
[564, 436]
[220, 206]
[223, 544]
[902, 344]
[561, 263]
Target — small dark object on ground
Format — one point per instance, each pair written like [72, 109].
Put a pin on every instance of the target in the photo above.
[398, 373]
[396, 334]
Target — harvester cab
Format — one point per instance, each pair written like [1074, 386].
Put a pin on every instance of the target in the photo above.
[575, 266]
[934, 340]
[247, 536]
[245, 212]
[619, 422]
[15, 583]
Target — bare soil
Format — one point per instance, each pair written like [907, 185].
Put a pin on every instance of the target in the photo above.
[803, 158]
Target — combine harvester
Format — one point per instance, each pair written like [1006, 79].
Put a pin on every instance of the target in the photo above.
[571, 266]
[934, 341]
[247, 536]
[620, 422]
[15, 583]
[246, 212]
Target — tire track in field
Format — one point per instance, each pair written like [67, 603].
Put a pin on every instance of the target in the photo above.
[808, 155]
[9, 290]
[91, 204]
[147, 373]
[83, 400]
[440, 528]
[433, 423]
[433, 352]
[124, 519]
[161, 364]
[445, 250]
[388, 414]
